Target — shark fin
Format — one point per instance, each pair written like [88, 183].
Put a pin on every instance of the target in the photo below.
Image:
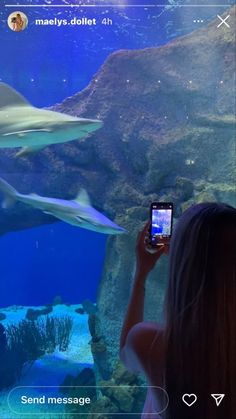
[83, 198]
[48, 213]
[8, 202]
[10, 97]
[25, 151]
[10, 194]
[34, 195]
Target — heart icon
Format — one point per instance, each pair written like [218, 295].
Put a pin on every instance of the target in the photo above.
[189, 399]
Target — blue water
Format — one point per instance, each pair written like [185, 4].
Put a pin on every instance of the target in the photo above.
[47, 64]
[53, 260]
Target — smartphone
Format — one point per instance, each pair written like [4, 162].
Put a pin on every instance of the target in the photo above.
[161, 214]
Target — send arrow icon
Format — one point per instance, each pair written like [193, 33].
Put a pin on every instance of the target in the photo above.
[218, 398]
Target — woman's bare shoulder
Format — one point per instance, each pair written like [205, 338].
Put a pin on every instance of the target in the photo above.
[139, 343]
[147, 329]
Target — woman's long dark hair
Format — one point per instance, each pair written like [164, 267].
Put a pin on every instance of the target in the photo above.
[201, 313]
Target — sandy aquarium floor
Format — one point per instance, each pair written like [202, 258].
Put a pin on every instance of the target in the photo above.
[50, 370]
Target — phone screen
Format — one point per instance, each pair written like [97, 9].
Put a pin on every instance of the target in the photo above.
[105, 107]
[161, 221]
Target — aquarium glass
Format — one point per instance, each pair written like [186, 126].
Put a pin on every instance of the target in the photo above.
[105, 107]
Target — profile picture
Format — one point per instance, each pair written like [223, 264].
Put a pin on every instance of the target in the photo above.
[17, 21]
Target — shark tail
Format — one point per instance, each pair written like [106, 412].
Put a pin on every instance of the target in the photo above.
[10, 194]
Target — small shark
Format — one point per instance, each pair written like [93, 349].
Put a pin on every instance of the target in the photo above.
[22, 125]
[78, 212]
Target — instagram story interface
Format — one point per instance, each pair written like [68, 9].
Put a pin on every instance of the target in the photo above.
[117, 209]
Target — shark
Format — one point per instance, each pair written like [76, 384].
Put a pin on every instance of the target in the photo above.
[77, 212]
[30, 128]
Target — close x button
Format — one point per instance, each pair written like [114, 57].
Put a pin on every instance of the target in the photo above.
[223, 21]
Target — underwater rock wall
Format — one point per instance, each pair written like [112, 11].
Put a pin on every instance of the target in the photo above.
[168, 134]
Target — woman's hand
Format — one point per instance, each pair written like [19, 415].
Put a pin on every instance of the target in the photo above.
[147, 255]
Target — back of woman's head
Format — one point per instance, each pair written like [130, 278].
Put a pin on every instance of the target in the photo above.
[201, 312]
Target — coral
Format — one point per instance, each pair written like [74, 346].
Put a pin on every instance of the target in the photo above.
[26, 341]
[184, 188]
[89, 307]
[64, 328]
[85, 378]
[122, 394]
[185, 205]
[205, 196]
[83, 385]
[122, 375]
[33, 314]
[92, 325]
[98, 347]
[3, 339]
[103, 405]
[57, 300]
[79, 310]
[119, 395]
[2, 316]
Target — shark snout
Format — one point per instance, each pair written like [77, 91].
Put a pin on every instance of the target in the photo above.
[91, 125]
[116, 229]
[122, 231]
